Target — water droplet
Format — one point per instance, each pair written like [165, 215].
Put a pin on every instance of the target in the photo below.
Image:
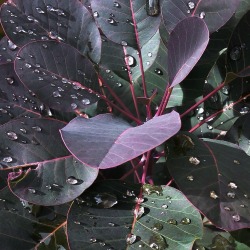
[131, 61]
[20, 29]
[45, 46]
[12, 135]
[236, 162]
[157, 241]
[117, 5]
[7, 159]
[232, 185]
[105, 200]
[93, 240]
[194, 160]
[172, 222]
[236, 217]
[213, 195]
[150, 54]
[150, 189]
[244, 110]
[9, 80]
[119, 84]
[165, 206]
[85, 101]
[157, 227]
[11, 45]
[56, 94]
[112, 21]
[242, 205]
[37, 128]
[227, 208]
[158, 71]
[185, 221]
[32, 190]
[72, 180]
[39, 10]
[235, 53]
[96, 14]
[246, 196]
[225, 90]
[23, 130]
[191, 5]
[153, 7]
[231, 195]
[190, 177]
[214, 98]
[73, 105]
[124, 43]
[27, 65]
[202, 15]
[131, 238]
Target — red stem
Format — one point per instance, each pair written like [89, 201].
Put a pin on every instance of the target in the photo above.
[145, 168]
[132, 170]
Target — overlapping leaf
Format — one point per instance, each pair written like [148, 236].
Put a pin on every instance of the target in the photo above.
[105, 141]
[118, 20]
[186, 45]
[57, 178]
[104, 216]
[214, 13]
[61, 77]
[213, 176]
[68, 21]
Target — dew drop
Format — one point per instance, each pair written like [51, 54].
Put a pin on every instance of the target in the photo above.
[85, 101]
[235, 53]
[227, 208]
[172, 222]
[112, 21]
[96, 14]
[236, 162]
[213, 195]
[105, 200]
[119, 84]
[185, 221]
[231, 195]
[9, 80]
[190, 177]
[131, 61]
[12, 135]
[37, 128]
[32, 190]
[11, 45]
[27, 65]
[73, 105]
[158, 71]
[150, 189]
[236, 217]
[20, 29]
[150, 54]
[194, 160]
[157, 241]
[72, 180]
[117, 5]
[23, 130]
[124, 43]
[7, 159]
[191, 5]
[165, 206]
[56, 94]
[232, 185]
[202, 15]
[157, 227]
[93, 240]
[244, 110]
[39, 10]
[131, 238]
[225, 90]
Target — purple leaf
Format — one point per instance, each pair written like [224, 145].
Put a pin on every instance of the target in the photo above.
[54, 182]
[67, 21]
[116, 21]
[215, 13]
[186, 45]
[61, 77]
[214, 176]
[106, 142]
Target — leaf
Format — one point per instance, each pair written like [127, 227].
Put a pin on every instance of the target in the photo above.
[58, 178]
[118, 20]
[67, 21]
[27, 226]
[9, 50]
[63, 76]
[15, 100]
[93, 226]
[214, 13]
[105, 141]
[213, 175]
[186, 44]
[54, 182]
[239, 133]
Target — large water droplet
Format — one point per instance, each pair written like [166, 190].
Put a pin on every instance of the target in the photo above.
[185, 221]
[232, 185]
[72, 180]
[7, 159]
[202, 15]
[213, 195]
[231, 195]
[194, 160]
[11, 45]
[12, 135]
[235, 53]
[157, 241]
[131, 61]
[236, 217]
[130, 239]
[225, 90]
[96, 14]
[191, 5]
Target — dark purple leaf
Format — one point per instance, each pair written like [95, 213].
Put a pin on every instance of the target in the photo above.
[15, 100]
[118, 20]
[68, 21]
[54, 182]
[214, 13]
[61, 77]
[27, 226]
[8, 50]
[105, 141]
[186, 45]
[214, 176]
[110, 212]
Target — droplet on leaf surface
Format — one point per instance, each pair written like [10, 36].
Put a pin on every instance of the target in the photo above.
[72, 180]
[213, 195]
[194, 160]
[105, 200]
[235, 53]
[12, 135]
[185, 221]
[131, 238]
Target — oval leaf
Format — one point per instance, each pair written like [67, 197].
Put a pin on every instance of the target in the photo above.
[106, 142]
[27, 20]
[186, 45]
[61, 74]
